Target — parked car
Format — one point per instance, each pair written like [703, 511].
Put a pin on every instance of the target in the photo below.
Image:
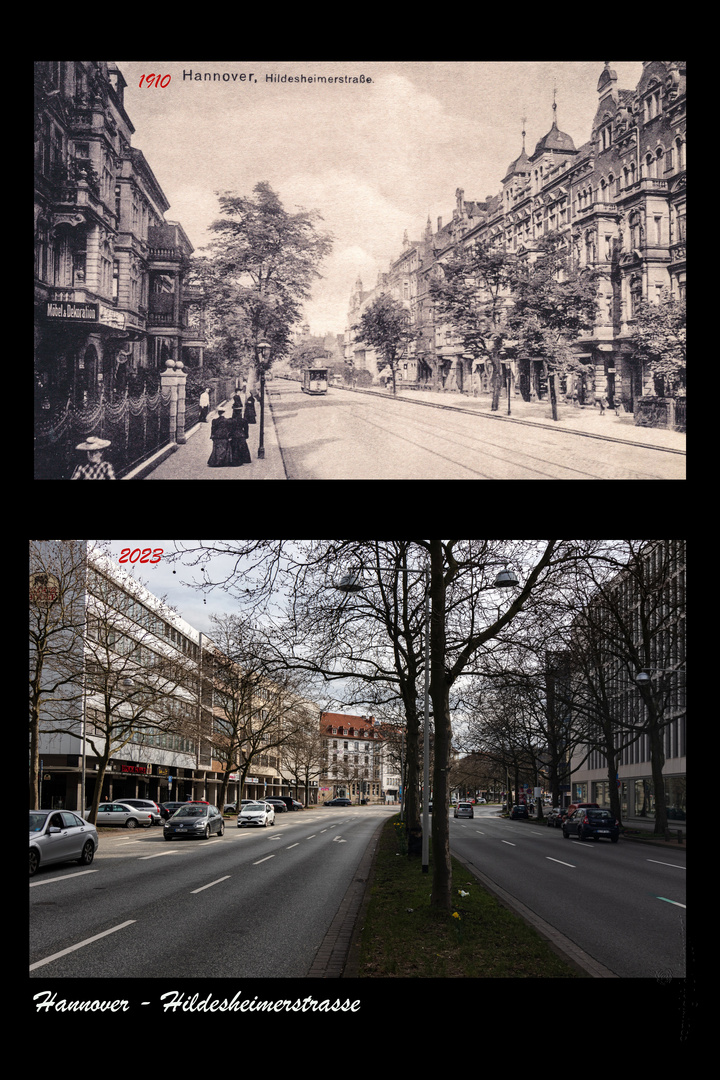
[118, 813]
[167, 809]
[60, 836]
[337, 802]
[146, 804]
[194, 820]
[277, 804]
[256, 813]
[570, 810]
[554, 817]
[290, 803]
[464, 809]
[519, 811]
[297, 805]
[592, 822]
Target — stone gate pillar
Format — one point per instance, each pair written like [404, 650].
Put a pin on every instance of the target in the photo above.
[173, 379]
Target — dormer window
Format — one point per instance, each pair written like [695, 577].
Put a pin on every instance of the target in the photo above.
[605, 137]
[651, 103]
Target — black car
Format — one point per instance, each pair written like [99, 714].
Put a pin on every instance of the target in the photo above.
[592, 822]
[338, 802]
[277, 804]
[554, 817]
[194, 820]
[519, 811]
[290, 803]
[167, 809]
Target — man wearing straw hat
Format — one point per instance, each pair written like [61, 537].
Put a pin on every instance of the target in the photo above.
[94, 468]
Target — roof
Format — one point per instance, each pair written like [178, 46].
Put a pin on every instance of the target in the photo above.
[355, 724]
[554, 140]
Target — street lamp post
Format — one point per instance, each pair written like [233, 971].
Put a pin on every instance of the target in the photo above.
[263, 349]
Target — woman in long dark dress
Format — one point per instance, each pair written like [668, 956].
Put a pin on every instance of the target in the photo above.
[250, 417]
[221, 434]
[239, 449]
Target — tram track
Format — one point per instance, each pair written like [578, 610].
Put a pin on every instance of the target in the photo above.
[368, 437]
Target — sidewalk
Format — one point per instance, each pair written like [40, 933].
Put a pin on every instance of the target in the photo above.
[189, 461]
[580, 420]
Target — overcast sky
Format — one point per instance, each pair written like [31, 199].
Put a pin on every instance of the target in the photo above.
[374, 158]
[163, 583]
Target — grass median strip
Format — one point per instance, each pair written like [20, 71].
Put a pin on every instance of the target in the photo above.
[403, 937]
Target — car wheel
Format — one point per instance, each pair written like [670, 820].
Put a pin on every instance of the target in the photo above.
[34, 862]
[566, 834]
[207, 832]
[131, 823]
[88, 854]
[221, 830]
[614, 839]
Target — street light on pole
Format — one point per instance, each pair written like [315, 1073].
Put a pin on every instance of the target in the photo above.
[263, 349]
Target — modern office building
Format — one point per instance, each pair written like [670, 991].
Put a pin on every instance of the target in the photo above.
[164, 742]
[649, 603]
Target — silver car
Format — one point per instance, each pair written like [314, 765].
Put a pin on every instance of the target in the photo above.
[256, 813]
[464, 809]
[118, 813]
[60, 836]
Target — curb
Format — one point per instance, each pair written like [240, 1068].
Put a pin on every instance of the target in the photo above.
[333, 959]
[563, 946]
[515, 420]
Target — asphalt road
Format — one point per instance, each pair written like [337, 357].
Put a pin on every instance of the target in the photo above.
[255, 903]
[348, 436]
[623, 904]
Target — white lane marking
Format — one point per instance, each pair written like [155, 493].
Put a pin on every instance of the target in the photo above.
[676, 866]
[50, 881]
[203, 887]
[675, 902]
[572, 865]
[508, 843]
[144, 858]
[292, 846]
[263, 860]
[80, 945]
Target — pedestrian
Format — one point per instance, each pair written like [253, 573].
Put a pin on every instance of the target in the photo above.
[220, 433]
[250, 409]
[94, 468]
[239, 449]
[237, 406]
[204, 404]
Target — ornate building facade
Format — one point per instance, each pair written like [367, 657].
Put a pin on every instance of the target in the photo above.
[112, 298]
[619, 202]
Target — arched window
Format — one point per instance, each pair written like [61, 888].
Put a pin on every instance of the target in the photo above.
[680, 154]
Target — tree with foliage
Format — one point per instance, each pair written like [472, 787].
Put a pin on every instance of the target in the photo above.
[260, 269]
[554, 303]
[386, 327]
[658, 340]
[471, 290]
